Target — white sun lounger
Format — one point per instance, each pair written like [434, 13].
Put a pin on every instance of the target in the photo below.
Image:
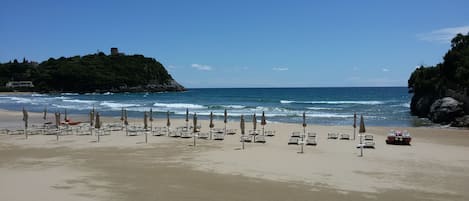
[344, 136]
[245, 138]
[311, 141]
[186, 135]
[218, 136]
[270, 133]
[293, 140]
[332, 136]
[259, 139]
[203, 135]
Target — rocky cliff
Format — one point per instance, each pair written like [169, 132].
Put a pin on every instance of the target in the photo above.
[441, 92]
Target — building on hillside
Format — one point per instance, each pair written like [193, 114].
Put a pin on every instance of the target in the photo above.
[18, 84]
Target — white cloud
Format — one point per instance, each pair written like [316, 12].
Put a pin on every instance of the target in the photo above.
[202, 67]
[385, 70]
[280, 69]
[443, 35]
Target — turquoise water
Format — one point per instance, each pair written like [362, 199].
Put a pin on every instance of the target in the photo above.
[381, 106]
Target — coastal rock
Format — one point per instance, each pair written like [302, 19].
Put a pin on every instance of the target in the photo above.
[445, 110]
[461, 121]
[420, 105]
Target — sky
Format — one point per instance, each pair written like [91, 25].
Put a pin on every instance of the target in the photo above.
[244, 43]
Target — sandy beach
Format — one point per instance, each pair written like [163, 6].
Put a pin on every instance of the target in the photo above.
[120, 167]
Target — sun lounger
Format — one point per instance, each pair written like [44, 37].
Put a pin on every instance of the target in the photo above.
[186, 135]
[270, 133]
[230, 131]
[203, 135]
[246, 138]
[16, 132]
[344, 136]
[296, 134]
[293, 140]
[368, 137]
[332, 136]
[218, 136]
[311, 134]
[174, 134]
[259, 139]
[254, 132]
[311, 141]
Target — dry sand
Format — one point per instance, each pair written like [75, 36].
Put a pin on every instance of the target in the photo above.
[119, 167]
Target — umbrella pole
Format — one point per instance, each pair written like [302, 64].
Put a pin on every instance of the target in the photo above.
[354, 133]
[225, 128]
[194, 139]
[146, 137]
[210, 133]
[361, 146]
[263, 130]
[97, 133]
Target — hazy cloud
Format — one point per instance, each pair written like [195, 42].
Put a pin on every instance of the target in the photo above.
[443, 35]
[385, 70]
[202, 67]
[280, 69]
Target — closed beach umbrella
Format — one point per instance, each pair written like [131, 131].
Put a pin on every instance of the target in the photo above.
[122, 115]
[91, 118]
[98, 121]
[254, 122]
[168, 122]
[354, 124]
[125, 118]
[45, 113]
[25, 118]
[57, 119]
[362, 125]
[225, 120]
[211, 125]
[242, 129]
[151, 119]
[195, 122]
[304, 123]
[145, 120]
[263, 122]
[361, 130]
[65, 115]
[187, 115]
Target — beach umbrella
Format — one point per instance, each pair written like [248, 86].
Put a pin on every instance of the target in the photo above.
[254, 122]
[225, 120]
[145, 125]
[168, 122]
[211, 125]
[187, 118]
[25, 119]
[151, 119]
[354, 124]
[45, 113]
[91, 118]
[57, 123]
[304, 123]
[97, 124]
[126, 123]
[263, 122]
[195, 126]
[122, 115]
[242, 129]
[145, 120]
[361, 130]
[65, 115]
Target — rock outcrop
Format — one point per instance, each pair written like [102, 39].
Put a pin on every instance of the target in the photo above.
[445, 110]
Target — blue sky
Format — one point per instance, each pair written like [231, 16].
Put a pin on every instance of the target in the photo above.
[244, 43]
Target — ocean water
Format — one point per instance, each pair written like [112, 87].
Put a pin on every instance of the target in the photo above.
[381, 106]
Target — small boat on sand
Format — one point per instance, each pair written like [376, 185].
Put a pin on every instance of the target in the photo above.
[398, 137]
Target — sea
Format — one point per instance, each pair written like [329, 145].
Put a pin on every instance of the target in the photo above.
[380, 106]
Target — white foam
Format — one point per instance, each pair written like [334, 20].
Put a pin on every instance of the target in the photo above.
[80, 101]
[117, 106]
[334, 102]
[179, 105]
[286, 101]
[234, 106]
[69, 94]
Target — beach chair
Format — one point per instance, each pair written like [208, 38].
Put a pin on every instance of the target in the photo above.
[230, 131]
[218, 136]
[293, 140]
[344, 136]
[332, 136]
[311, 141]
[270, 133]
[246, 138]
[254, 132]
[369, 142]
[296, 134]
[203, 136]
[259, 139]
[311, 134]
[174, 134]
[16, 132]
[186, 134]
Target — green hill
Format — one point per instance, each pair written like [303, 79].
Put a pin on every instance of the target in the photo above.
[92, 73]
